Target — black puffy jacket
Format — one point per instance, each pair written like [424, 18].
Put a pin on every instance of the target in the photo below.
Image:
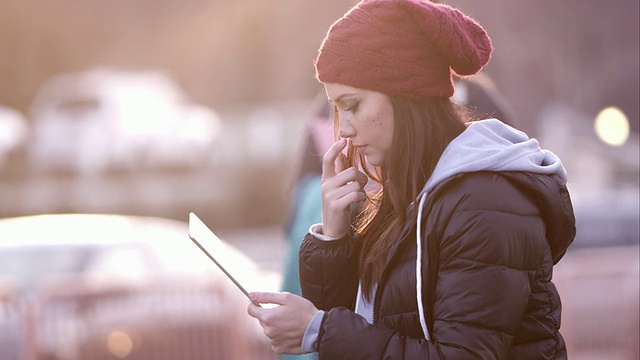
[489, 242]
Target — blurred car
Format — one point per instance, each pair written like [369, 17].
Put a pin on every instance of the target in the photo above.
[104, 118]
[13, 132]
[81, 286]
[598, 279]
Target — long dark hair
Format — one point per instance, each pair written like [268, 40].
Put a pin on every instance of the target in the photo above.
[422, 130]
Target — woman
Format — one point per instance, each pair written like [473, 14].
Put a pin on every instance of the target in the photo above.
[452, 258]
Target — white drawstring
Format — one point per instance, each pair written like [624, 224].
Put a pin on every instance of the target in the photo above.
[423, 323]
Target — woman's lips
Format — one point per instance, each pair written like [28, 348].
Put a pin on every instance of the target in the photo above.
[360, 149]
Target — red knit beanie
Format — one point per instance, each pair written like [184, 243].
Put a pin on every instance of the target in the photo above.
[404, 48]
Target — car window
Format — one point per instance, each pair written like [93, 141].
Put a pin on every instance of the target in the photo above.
[128, 261]
[30, 265]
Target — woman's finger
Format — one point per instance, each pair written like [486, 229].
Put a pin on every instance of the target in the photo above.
[285, 324]
[341, 163]
[346, 176]
[329, 158]
[362, 178]
[342, 191]
[278, 298]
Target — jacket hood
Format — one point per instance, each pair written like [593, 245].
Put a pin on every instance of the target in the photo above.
[491, 145]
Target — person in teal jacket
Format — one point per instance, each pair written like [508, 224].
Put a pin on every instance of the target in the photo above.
[306, 199]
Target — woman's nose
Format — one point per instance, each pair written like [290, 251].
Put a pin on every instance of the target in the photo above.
[345, 130]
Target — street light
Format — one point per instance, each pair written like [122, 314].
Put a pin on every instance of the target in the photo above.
[612, 126]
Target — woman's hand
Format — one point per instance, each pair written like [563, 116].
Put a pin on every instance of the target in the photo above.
[341, 187]
[285, 324]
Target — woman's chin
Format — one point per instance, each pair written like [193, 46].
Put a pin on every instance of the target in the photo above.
[374, 161]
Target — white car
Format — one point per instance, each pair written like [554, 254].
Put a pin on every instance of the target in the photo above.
[105, 286]
[13, 132]
[100, 119]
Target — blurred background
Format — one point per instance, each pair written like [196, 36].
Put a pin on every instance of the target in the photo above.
[152, 109]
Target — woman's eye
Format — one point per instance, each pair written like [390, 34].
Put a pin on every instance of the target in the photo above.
[352, 108]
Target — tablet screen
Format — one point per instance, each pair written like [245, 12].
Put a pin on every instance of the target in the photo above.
[213, 247]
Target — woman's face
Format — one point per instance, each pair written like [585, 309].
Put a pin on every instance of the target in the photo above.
[366, 118]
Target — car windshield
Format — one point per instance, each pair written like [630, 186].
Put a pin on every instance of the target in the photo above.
[29, 265]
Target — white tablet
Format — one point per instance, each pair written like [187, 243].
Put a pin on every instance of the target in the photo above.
[204, 238]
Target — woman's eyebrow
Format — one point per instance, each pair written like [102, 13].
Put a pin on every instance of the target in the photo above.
[341, 98]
